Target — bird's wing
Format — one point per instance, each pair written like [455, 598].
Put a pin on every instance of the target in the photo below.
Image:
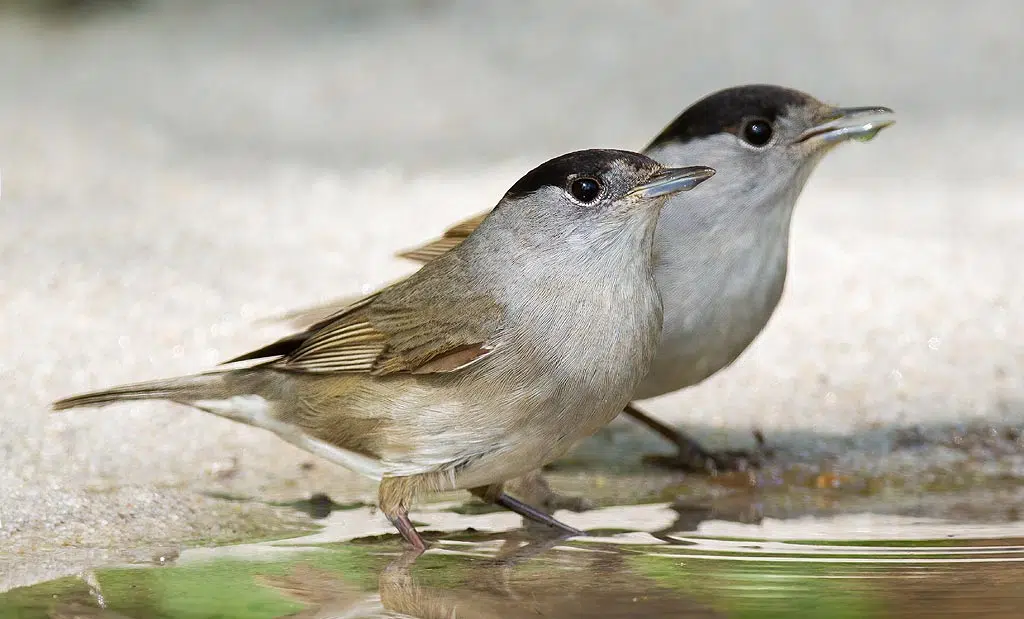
[406, 327]
[309, 316]
[326, 315]
[451, 238]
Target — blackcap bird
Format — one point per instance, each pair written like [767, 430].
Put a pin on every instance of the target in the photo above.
[488, 362]
[721, 254]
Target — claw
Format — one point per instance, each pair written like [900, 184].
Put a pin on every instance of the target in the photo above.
[708, 463]
[534, 489]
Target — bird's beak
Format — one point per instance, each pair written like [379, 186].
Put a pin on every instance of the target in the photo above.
[672, 180]
[848, 123]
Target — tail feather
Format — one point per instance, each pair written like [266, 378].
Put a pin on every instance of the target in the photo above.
[249, 396]
[209, 386]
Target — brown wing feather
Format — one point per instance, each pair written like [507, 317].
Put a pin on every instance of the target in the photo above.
[452, 238]
[290, 343]
[406, 327]
[433, 328]
[454, 360]
[381, 337]
[350, 344]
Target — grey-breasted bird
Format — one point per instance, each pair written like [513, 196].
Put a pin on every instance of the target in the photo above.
[488, 362]
[720, 255]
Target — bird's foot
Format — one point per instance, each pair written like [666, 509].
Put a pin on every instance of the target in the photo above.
[691, 457]
[535, 490]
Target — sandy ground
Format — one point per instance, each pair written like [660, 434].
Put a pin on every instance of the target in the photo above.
[173, 174]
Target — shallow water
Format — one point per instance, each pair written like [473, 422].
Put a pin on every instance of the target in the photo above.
[851, 565]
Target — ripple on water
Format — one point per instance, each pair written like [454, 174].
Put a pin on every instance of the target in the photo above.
[851, 565]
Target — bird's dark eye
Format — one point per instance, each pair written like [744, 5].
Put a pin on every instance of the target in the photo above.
[757, 132]
[585, 189]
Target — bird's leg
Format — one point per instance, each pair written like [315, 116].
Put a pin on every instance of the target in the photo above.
[404, 526]
[394, 496]
[534, 489]
[495, 494]
[691, 456]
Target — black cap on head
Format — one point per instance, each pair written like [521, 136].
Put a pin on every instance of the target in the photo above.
[726, 110]
[557, 172]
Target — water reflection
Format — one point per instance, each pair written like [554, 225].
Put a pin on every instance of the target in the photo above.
[587, 584]
[690, 562]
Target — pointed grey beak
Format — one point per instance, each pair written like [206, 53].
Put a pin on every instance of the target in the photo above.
[849, 123]
[672, 180]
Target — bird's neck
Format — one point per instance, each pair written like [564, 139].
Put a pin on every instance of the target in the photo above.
[599, 280]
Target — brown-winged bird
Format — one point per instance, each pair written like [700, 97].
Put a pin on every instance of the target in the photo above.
[484, 365]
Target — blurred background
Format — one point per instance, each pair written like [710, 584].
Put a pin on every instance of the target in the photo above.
[176, 170]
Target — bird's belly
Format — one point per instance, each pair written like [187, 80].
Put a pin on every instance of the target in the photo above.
[694, 359]
[517, 455]
[699, 343]
[505, 462]
[463, 459]
[502, 435]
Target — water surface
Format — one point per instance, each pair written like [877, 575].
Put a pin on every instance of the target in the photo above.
[850, 565]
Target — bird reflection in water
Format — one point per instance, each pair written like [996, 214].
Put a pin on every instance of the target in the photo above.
[522, 580]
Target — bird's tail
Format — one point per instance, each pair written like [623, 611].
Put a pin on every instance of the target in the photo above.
[253, 396]
[186, 390]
